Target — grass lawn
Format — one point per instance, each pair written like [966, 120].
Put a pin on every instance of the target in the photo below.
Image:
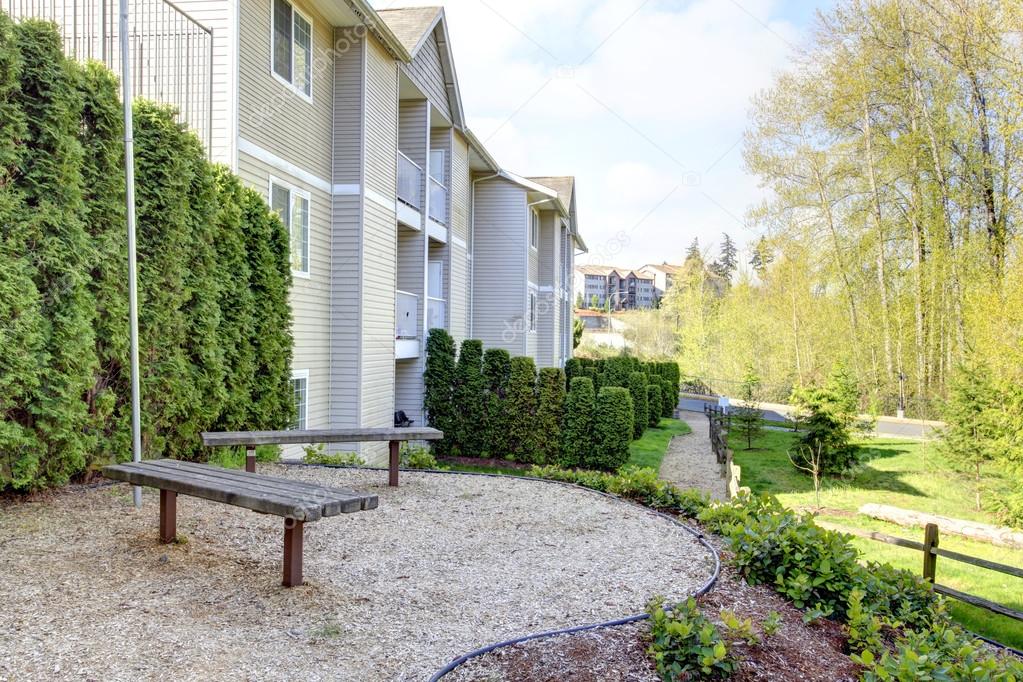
[902, 473]
[649, 450]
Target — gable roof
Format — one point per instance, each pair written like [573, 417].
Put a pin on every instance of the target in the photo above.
[564, 185]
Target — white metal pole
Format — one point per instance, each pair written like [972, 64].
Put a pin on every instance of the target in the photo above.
[129, 200]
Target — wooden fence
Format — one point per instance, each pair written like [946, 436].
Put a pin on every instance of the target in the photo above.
[719, 421]
[931, 552]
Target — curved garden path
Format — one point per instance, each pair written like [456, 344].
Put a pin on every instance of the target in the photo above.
[689, 461]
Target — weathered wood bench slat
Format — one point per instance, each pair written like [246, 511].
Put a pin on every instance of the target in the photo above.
[335, 500]
[196, 485]
[297, 437]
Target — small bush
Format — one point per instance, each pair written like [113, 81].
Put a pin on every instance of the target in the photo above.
[686, 645]
[653, 399]
[234, 458]
[550, 414]
[724, 517]
[612, 429]
[317, 454]
[577, 437]
[418, 457]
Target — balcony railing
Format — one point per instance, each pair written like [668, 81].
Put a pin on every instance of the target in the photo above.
[410, 182]
[438, 202]
[407, 320]
[171, 53]
[436, 309]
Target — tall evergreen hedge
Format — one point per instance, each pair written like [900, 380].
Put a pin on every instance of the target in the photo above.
[469, 397]
[612, 429]
[577, 437]
[438, 387]
[550, 413]
[215, 339]
[654, 402]
[640, 416]
[521, 411]
[496, 375]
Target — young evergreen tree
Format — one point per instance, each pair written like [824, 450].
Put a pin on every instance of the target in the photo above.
[974, 418]
[693, 253]
[523, 444]
[726, 265]
[612, 429]
[746, 416]
[577, 437]
[762, 257]
[469, 397]
[550, 413]
[438, 385]
[654, 405]
[640, 416]
[496, 374]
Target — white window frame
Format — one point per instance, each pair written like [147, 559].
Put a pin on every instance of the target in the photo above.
[294, 191]
[534, 229]
[295, 12]
[302, 420]
[532, 310]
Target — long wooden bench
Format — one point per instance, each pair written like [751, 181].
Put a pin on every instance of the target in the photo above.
[250, 439]
[298, 502]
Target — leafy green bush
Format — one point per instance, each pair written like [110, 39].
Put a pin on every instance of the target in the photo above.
[469, 397]
[686, 645]
[733, 514]
[417, 457]
[550, 414]
[640, 417]
[523, 444]
[438, 385]
[234, 458]
[577, 437]
[317, 454]
[653, 399]
[612, 429]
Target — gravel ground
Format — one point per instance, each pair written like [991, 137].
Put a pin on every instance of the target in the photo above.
[689, 461]
[445, 565]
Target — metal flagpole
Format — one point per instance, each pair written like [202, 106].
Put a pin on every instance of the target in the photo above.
[129, 199]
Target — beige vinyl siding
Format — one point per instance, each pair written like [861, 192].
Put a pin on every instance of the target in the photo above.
[348, 107]
[381, 123]
[460, 187]
[534, 254]
[427, 73]
[499, 267]
[408, 389]
[412, 141]
[310, 297]
[270, 114]
[219, 15]
[547, 306]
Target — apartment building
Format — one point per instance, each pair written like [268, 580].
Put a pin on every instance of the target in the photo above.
[663, 276]
[621, 289]
[350, 122]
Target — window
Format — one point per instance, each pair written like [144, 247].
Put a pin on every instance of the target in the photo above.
[437, 165]
[534, 229]
[532, 311]
[292, 47]
[300, 391]
[293, 207]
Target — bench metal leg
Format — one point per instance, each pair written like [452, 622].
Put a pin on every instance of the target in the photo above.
[168, 516]
[392, 479]
[292, 553]
[250, 459]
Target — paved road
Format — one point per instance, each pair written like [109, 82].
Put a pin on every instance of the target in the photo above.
[886, 426]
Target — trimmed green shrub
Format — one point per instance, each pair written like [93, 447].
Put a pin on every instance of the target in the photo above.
[417, 457]
[616, 371]
[686, 645]
[669, 400]
[577, 437]
[640, 417]
[438, 384]
[612, 429]
[496, 375]
[521, 406]
[654, 403]
[573, 369]
[639, 484]
[469, 396]
[550, 413]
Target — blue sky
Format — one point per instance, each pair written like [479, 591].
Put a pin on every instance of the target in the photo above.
[644, 101]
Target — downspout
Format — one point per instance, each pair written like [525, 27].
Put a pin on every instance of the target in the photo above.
[472, 254]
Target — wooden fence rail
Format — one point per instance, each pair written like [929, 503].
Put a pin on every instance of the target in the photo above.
[931, 552]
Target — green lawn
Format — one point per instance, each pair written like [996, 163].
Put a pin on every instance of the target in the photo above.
[649, 450]
[903, 473]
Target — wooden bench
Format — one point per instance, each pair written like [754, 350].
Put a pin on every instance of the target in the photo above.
[298, 502]
[250, 439]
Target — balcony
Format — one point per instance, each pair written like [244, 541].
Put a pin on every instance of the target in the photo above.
[438, 202]
[406, 328]
[410, 182]
[436, 309]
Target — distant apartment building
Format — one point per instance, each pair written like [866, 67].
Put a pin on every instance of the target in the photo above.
[615, 287]
[349, 121]
[663, 276]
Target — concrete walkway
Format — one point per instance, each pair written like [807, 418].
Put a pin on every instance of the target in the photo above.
[690, 463]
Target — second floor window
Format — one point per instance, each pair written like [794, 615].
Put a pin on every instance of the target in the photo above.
[292, 47]
[293, 207]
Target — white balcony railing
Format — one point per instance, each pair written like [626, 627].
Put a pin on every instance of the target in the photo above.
[410, 182]
[438, 202]
[407, 324]
[436, 309]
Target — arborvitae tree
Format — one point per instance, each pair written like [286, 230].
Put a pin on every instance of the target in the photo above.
[496, 374]
[637, 388]
[746, 416]
[577, 437]
[573, 369]
[521, 411]
[550, 413]
[668, 400]
[438, 385]
[612, 429]
[654, 403]
[469, 397]
[617, 371]
[61, 253]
